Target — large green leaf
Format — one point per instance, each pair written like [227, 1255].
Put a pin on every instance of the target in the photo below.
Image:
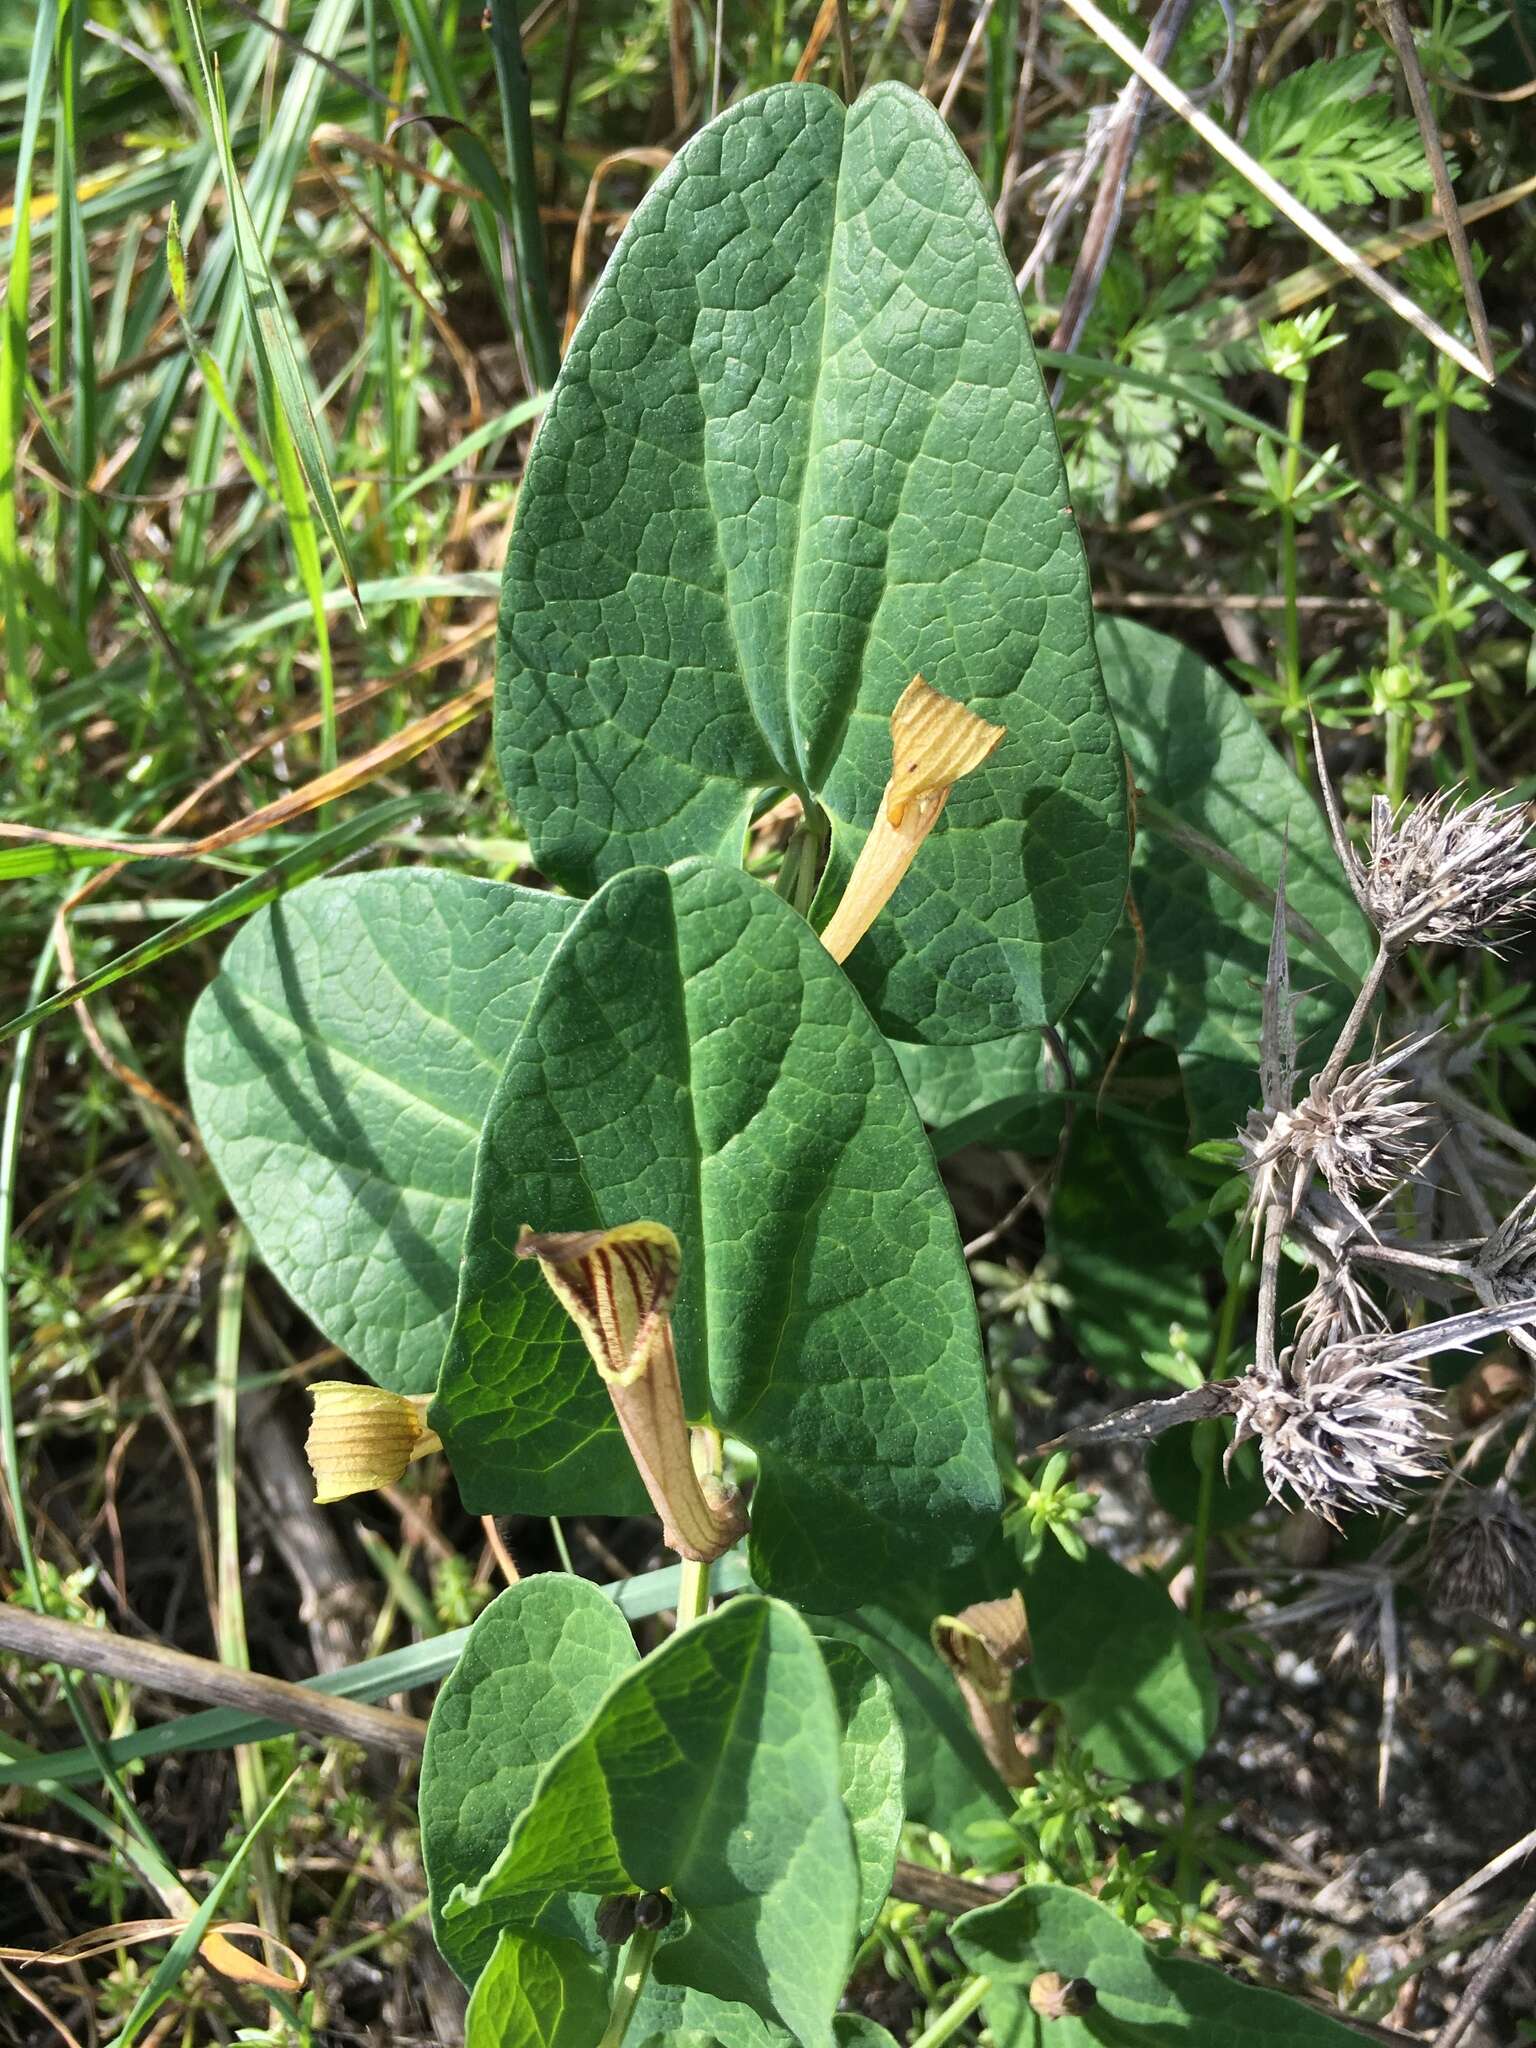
[799, 451]
[1129, 1672]
[874, 1761]
[1130, 1273]
[1008, 1092]
[536, 1667]
[694, 1057]
[949, 1783]
[1201, 763]
[1198, 752]
[712, 1771]
[538, 1992]
[340, 1067]
[1155, 2001]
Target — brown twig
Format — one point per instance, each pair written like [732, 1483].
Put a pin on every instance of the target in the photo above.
[821, 28]
[1109, 201]
[1508, 1946]
[1445, 197]
[161, 1669]
[941, 1893]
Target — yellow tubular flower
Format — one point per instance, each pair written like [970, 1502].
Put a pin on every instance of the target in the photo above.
[361, 1437]
[934, 742]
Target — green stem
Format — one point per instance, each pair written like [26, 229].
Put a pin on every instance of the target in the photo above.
[800, 868]
[637, 1971]
[1399, 753]
[954, 2017]
[1221, 1351]
[1290, 663]
[1466, 742]
[692, 1594]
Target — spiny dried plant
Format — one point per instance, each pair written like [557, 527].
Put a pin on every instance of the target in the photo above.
[1483, 1557]
[1342, 1177]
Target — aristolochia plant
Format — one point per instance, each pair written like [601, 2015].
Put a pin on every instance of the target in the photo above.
[620, 1195]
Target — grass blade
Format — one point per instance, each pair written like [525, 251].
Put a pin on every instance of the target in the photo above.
[13, 364]
[280, 382]
[320, 853]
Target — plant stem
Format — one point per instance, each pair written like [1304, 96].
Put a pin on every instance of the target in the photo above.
[692, 1594]
[1221, 1351]
[954, 2017]
[637, 1971]
[1466, 743]
[1269, 1286]
[1369, 990]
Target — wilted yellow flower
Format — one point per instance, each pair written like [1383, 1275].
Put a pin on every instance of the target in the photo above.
[618, 1287]
[361, 1437]
[934, 741]
[984, 1645]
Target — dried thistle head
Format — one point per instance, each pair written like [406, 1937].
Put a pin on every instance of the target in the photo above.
[1504, 1269]
[1338, 1311]
[1446, 875]
[1346, 1434]
[1362, 1133]
[1483, 1558]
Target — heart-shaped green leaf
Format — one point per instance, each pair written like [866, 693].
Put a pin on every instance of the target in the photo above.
[537, 1992]
[874, 1762]
[1130, 1673]
[340, 1067]
[536, 1666]
[949, 1783]
[711, 1771]
[1202, 764]
[1199, 754]
[798, 453]
[1160, 2001]
[694, 1058]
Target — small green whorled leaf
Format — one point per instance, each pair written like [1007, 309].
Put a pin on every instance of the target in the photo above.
[536, 1666]
[1164, 2002]
[799, 452]
[1196, 749]
[874, 1764]
[1130, 1674]
[340, 1066]
[694, 1058]
[712, 1771]
[948, 1782]
[538, 1992]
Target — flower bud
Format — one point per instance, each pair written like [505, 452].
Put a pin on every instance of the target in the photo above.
[616, 1918]
[1447, 876]
[361, 1437]
[1055, 1997]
